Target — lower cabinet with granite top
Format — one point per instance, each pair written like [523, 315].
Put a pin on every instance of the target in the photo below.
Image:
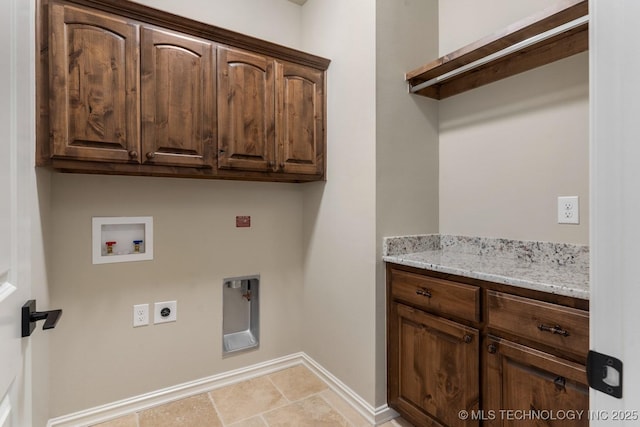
[433, 348]
[468, 352]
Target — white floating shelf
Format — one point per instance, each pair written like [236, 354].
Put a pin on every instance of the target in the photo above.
[122, 239]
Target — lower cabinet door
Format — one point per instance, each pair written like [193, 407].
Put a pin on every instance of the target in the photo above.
[433, 374]
[524, 386]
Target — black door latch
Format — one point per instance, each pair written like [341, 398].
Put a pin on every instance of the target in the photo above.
[604, 373]
[30, 316]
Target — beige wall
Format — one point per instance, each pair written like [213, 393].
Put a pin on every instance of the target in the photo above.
[275, 20]
[96, 355]
[509, 149]
[406, 126]
[339, 215]
[465, 21]
[406, 141]
[505, 152]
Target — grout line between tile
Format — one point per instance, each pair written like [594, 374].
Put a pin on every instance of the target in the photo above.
[287, 402]
[319, 394]
[334, 408]
[278, 388]
[215, 408]
[225, 424]
[307, 396]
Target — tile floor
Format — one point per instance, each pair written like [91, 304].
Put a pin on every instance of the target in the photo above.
[293, 397]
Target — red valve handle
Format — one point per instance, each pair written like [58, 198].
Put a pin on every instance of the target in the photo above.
[110, 243]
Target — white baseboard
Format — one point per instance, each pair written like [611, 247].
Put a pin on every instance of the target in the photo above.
[373, 415]
[120, 408]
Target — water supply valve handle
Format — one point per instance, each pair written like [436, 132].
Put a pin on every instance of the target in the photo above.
[110, 246]
[136, 245]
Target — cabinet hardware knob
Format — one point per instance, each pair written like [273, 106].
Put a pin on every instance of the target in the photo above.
[221, 151]
[281, 165]
[491, 348]
[467, 338]
[424, 292]
[133, 154]
[553, 329]
[150, 155]
[560, 382]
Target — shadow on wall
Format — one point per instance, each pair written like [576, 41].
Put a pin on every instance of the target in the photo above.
[312, 200]
[550, 86]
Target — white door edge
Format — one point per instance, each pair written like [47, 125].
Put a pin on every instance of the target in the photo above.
[615, 202]
[5, 411]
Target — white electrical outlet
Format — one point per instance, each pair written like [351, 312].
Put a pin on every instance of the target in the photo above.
[568, 210]
[165, 312]
[140, 315]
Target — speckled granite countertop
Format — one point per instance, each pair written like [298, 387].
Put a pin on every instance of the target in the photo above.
[557, 268]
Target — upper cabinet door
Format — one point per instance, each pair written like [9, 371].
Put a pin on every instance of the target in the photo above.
[301, 117]
[93, 85]
[177, 109]
[246, 111]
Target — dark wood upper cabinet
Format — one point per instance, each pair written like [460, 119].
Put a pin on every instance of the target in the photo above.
[246, 111]
[94, 100]
[271, 115]
[301, 113]
[178, 117]
[123, 88]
